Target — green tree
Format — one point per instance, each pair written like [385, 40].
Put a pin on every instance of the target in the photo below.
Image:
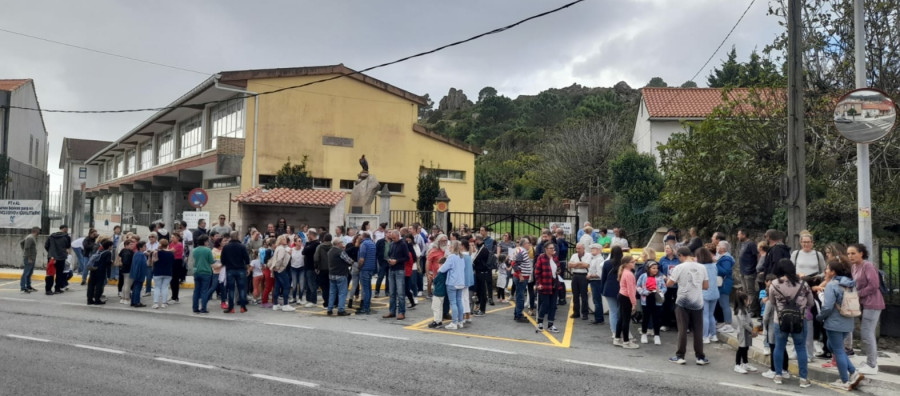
[637, 183]
[426, 110]
[429, 187]
[294, 176]
[689, 84]
[656, 82]
[486, 92]
[757, 72]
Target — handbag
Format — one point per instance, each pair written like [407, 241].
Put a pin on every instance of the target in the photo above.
[719, 281]
[660, 298]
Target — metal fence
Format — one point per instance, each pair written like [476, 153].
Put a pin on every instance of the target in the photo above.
[890, 264]
[517, 225]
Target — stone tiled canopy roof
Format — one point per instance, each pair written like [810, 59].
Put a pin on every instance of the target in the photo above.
[291, 197]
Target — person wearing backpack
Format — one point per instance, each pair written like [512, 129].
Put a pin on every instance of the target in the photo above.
[868, 285]
[99, 262]
[792, 298]
[839, 310]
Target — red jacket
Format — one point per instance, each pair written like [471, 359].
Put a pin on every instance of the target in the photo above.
[544, 276]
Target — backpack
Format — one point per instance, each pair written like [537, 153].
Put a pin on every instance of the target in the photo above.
[849, 306]
[92, 262]
[791, 317]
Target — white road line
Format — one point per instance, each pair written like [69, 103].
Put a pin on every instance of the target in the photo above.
[99, 349]
[757, 389]
[290, 325]
[482, 349]
[379, 335]
[76, 304]
[606, 366]
[181, 362]
[286, 380]
[17, 299]
[27, 338]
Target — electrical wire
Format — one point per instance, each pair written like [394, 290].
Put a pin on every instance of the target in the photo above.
[355, 72]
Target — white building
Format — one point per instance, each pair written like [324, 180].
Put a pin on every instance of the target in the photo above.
[78, 177]
[23, 139]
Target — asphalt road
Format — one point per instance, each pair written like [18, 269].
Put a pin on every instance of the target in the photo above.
[50, 346]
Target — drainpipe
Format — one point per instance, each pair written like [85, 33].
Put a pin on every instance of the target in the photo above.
[254, 176]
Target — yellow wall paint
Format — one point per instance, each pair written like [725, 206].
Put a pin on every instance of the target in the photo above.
[292, 124]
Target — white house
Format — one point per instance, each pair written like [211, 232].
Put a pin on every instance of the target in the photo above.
[23, 138]
[78, 176]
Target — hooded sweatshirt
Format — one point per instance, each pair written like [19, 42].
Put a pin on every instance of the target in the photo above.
[833, 297]
[57, 245]
[724, 267]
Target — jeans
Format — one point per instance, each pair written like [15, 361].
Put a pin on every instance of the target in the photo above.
[844, 365]
[82, 261]
[114, 273]
[709, 320]
[456, 303]
[781, 346]
[694, 317]
[521, 287]
[27, 271]
[413, 285]
[311, 286]
[382, 273]
[613, 304]
[547, 306]
[236, 279]
[282, 286]
[338, 288]
[298, 281]
[160, 289]
[597, 295]
[396, 279]
[202, 283]
[725, 305]
[136, 291]
[867, 335]
[354, 284]
[365, 279]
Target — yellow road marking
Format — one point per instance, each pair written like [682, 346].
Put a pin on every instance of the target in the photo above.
[570, 325]
[484, 336]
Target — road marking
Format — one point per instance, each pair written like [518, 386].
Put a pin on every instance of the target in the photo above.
[27, 338]
[76, 304]
[757, 389]
[606, 366]
[290, 325]
[8, 283]
[17, 299]
[482, 349]
[471, 335]
[98, 349]
[379, 335]
[287, 380]
[570, 325]
[167, 360]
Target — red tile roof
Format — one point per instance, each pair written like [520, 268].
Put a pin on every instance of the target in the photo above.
[691, 102]
[12, 85]
[287, 196]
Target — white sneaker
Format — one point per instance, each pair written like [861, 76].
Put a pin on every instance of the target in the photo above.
[663, 328]
[706, 340]
[713, 338]
[164, 306]
[288, 308]
[749, 368]
[643, 338]
[766, 351]
[461, 325]
[867, 370]
[617, 342]
[656, 340]
[769, 374]
[727, 329]
[740, 370]
[786, 375]
[123, 301]
[276, 307]
[155, 306]
[837, 384]
[451, 326]
[415, 301]
[720, 325]
[419, 295]
[630, 345]
[309, 305]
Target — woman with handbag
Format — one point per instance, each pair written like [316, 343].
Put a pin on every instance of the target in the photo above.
[872, 301]
[837, 325]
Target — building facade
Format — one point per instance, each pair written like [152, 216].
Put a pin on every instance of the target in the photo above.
[23, 139]
[213, 137]
[77, 178]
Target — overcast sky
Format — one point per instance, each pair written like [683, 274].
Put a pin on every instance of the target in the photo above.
[595, 43]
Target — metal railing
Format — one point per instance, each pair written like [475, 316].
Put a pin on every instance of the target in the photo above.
[890, 264]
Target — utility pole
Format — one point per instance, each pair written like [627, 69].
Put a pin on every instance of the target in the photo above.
[864, 197]
[796, 144]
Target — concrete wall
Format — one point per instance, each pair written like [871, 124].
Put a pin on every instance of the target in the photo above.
[27, 182]
[218, 204]
[11, 253]
[293, 124]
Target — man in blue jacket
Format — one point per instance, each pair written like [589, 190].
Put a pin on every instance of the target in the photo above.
[367, 267]
[398, 255]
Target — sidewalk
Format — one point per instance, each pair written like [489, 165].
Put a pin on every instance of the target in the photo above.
[887, 381]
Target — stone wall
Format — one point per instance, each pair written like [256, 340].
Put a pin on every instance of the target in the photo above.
[11, 253]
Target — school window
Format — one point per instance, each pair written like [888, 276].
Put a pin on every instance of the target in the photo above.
[190, 137]
[129, 162]
[322, 184]
[165, 153]
[227, 119]
[120, 166]
[447, 174]
[394, 188]
[146, 155]
[224, 182]
[347, 185]
[110, 170]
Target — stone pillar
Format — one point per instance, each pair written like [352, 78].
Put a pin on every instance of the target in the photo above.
[442, 209]
[583, 211]
[384, 214]
[168, 208]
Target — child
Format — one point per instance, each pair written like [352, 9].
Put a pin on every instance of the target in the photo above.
[48, 280]
[502, 276]
[769, 325]
[69, 271]
[257, 273]
[763, 297]
[627, 299]
[651, 286]
[439, 292]
[745, 332]
[265, 253]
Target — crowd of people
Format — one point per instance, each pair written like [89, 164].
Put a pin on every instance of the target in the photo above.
[781, 294]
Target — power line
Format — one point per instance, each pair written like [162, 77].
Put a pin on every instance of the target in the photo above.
[404, 59]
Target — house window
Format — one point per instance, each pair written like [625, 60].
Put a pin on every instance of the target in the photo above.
[120, 166]
[224, 182]
[146, 155]
[227, 120]
[117, 203]
[190, 137]
[347, 184]
[82, 173]
[110, 170]
[447, 174]
[394, 188]
[102, 174]
[321, 184]
[129, 162]
[165, 153]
